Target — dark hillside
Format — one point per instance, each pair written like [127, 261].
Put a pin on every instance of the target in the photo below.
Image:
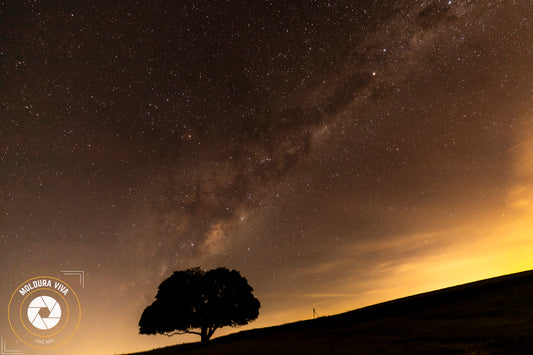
[489, 316]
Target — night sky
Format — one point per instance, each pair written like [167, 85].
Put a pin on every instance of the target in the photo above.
[338, 154]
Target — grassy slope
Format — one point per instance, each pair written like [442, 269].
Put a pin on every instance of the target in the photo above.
[494, 315]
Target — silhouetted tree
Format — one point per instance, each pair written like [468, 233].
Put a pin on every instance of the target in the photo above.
[202, 300]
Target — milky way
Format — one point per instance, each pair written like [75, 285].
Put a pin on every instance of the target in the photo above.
[337, 154]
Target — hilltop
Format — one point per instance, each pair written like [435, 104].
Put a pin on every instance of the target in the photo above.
[493, 315]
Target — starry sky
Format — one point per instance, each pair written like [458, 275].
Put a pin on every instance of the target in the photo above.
[338, 154]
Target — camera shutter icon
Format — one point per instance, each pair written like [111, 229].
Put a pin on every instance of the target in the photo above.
[44, 312]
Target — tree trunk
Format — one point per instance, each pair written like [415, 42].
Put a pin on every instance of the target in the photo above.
[204, 336]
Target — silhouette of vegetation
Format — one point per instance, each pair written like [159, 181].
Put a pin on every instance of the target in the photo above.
[199, 302]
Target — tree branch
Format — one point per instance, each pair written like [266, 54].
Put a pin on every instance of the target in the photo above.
[211, 331]
[177, 332]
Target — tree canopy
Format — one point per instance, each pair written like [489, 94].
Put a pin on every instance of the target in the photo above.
[199, 302]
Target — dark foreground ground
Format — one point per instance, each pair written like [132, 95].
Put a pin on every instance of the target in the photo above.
[485, 317]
